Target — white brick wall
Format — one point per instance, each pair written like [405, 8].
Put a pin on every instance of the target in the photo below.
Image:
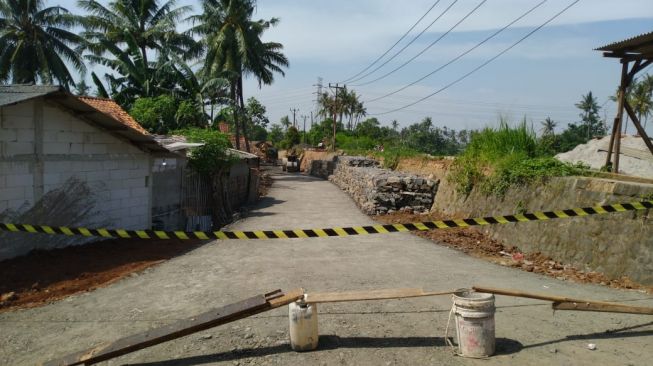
[115, 169]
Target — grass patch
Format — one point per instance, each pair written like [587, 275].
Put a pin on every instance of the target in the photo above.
[498, 158]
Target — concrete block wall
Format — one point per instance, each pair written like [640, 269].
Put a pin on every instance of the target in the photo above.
[34, 161]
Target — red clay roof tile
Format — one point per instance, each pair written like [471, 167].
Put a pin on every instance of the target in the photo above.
[112, 109]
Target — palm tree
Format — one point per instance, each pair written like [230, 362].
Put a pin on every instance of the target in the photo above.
[145, 23]
[548, 127]
[640, 98]
[285, 122]
[123, 36]
[234, 49]
[35, 43]
[590, 117]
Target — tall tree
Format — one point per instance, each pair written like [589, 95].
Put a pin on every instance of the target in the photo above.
[590, 115]
[147, 24]
[35, 43]
[285, 122]
[548, 127]
[641, 97]
[125, 34]
[234, 49]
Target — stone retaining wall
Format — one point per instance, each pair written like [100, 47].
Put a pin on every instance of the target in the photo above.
[615, 244]
[379, 191]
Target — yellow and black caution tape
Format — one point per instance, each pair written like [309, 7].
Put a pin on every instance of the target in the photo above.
[336, 231]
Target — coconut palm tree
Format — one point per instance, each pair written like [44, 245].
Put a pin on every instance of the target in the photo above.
[234, 50]
[149, 25]
[590, 114]
[548, 127]
[36, 44]
[640, 97]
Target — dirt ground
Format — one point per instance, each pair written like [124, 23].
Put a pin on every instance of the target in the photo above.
[479, 245]
[424, 166]
[45, 276]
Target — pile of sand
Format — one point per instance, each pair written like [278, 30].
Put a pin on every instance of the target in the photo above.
[635, 158]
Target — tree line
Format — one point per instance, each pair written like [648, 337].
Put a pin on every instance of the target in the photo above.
[152, 64]
[355, 134]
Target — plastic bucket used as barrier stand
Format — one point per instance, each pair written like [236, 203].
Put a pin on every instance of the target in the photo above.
[303, 326]
[474, 312]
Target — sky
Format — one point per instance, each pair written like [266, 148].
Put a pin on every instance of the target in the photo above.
[543, 76]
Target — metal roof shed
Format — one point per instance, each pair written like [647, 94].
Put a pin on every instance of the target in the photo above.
[635, 54]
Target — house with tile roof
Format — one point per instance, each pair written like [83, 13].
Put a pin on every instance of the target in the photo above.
[71, 161]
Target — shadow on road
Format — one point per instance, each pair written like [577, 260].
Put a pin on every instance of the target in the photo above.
[296, 177]
[265, 202]
[504, 346]
[608, 334]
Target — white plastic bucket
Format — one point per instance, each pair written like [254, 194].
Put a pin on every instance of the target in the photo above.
[474, 312]
[303, 326]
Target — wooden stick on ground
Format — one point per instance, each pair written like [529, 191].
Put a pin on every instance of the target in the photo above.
[213, 318]
[399, 293]
[566, 303]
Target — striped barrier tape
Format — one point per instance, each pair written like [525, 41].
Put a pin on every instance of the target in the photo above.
[336, 231]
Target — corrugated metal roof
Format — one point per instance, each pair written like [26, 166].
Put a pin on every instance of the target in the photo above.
[241, 154]
[642, 43]
[12, 94]
[175, 146]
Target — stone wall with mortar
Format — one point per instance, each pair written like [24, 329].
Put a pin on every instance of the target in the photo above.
[616, 244]
[379, 191]
[41, 154]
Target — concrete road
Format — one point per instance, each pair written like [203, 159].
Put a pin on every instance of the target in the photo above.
[392, 332]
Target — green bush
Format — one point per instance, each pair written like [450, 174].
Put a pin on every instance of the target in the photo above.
[528, 171]
[155, 114]
[212, 157]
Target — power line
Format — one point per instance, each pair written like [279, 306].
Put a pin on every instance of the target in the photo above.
[396, 43]
[426, 48]
[461, 55]
[483, 64]
[411, 42]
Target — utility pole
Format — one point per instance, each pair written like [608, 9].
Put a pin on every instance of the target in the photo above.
[294, 110]
[335, 110]
[304, 118]
[311, 120]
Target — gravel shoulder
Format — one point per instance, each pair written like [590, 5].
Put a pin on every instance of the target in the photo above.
[393, 332]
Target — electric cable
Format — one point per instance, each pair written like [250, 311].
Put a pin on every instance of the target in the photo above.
[483, 64]
[396, 43]
[457, 57]
[422, 51]
[405, 46]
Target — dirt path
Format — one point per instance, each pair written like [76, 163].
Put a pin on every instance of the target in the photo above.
[402, 332]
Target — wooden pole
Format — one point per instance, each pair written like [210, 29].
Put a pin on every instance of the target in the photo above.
[399, 293]
[606, 308]
[566, 303]
[621, 97]
[638, 126]
[213, 318]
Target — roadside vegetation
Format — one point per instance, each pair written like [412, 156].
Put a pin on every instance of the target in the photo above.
[187, 80]
[498, 158]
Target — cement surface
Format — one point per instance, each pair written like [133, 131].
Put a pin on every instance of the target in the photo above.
[392, 332]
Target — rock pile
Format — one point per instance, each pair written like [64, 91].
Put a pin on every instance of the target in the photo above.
[380, 191]
[321, 168]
